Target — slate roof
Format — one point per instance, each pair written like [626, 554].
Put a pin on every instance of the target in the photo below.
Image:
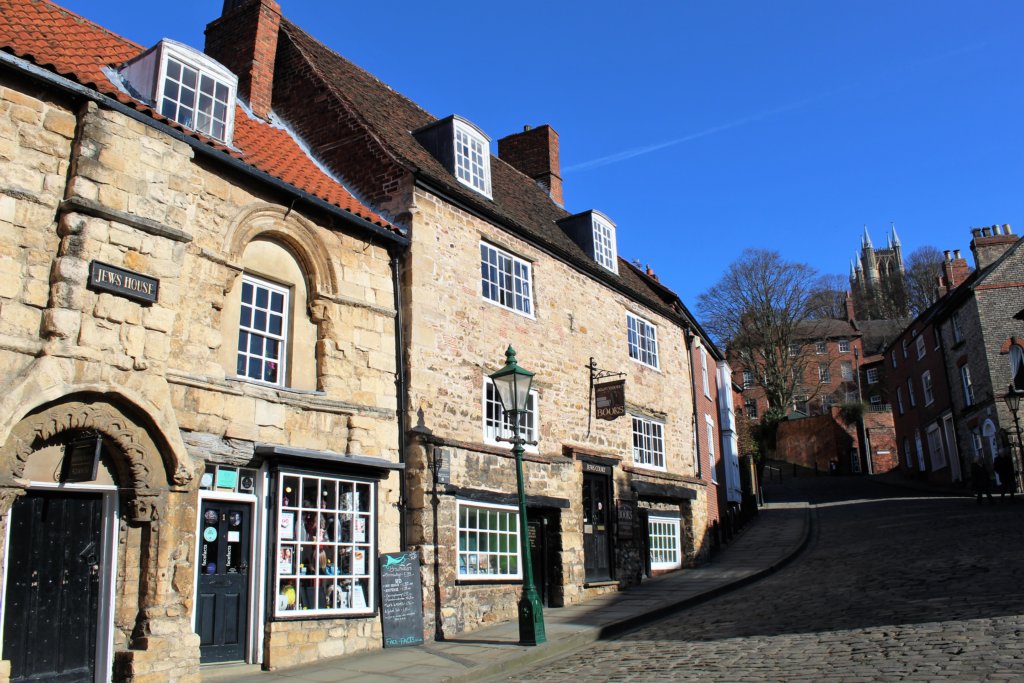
[67, 44]
[517, 203]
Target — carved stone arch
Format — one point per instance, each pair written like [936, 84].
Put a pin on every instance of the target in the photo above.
[142, 473]
[300, 235]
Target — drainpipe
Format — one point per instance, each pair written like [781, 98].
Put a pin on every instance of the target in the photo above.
[396, 283]
[690, 337]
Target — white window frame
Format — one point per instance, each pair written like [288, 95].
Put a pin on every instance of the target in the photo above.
[794, 349]
[648, 442]
[605, 251]
[710, 426]
[642, 339]
[935, 449]
[506, 280]
[747, 405]
[967, 385]
[920, 450]
[664, 538]
[906, 345]
[919, 342]
[824, 373]
[248, 332]
[820, 347]
[506, 534]
[355, 508]
[496, 423]
[875, 400]
[926, 387]
[748, 379]
[893, 356]
[214, 73]
[872, 375]
[910, 392]
[846, 370]
[471, 153]
[1016, 359]
[704, 371]
[899, 399]
[844, 346]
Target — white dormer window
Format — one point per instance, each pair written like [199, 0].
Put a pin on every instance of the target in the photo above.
[604, 244]
[186, 86]
[472, 158]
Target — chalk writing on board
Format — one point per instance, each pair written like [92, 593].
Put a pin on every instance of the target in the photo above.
[401, 599]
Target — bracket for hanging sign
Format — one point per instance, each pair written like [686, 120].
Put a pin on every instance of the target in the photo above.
[610, 396]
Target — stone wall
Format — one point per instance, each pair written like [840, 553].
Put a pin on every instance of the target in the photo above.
[456, 338]
[82, 184]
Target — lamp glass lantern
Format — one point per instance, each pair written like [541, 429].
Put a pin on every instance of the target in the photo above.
[512, 384]
[1012, 398]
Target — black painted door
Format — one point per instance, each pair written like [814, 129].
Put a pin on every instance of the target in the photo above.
[53, 587]
[596, 528]
[223, 604]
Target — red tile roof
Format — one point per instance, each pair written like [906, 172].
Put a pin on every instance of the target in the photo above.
[61, 41]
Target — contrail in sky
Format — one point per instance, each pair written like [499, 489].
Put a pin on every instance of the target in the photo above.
[647, 149]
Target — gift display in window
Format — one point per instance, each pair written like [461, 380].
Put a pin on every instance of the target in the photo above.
[325, 545]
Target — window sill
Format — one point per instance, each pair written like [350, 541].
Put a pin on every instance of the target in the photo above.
[645, 365]
[496, 304]
[496, 581]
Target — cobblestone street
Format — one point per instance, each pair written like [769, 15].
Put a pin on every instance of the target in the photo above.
[893, 586]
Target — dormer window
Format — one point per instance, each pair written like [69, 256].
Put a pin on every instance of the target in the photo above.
[462, 149]
[604, 243]
[186, 86]
[595, 234]
[472, 159]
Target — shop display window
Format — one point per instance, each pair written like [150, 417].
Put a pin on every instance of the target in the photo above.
[325, 545]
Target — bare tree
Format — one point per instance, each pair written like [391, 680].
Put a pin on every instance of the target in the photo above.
[924, 265]
[762, 312]
[828, 297]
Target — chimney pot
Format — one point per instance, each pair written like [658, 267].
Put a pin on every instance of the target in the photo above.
[1006, 229]
[986, 232]
[947, 254]
[244, 39]
[975, 232]
[526, 128]
[956, 254]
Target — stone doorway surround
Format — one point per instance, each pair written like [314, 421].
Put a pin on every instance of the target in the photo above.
[155, 532]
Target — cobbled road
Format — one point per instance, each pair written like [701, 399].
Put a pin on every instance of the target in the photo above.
[894, 586]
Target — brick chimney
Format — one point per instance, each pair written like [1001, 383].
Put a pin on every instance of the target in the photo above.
[989, 244]
[535, 153]
[954, 271]
[244, 39]
[851, 312]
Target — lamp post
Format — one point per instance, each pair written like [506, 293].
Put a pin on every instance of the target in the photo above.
[1012, 398]
[512, 384]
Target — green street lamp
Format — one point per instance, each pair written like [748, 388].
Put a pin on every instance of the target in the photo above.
[1012, 398]
[512, 384]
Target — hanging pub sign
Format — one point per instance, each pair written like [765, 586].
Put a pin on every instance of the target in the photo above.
[610, 398]
[108, 278]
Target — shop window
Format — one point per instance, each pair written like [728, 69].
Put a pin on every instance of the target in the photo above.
[505, 279]
[498, 424]
[643, 340]
[326, 531]
[648, 442]
[663, 534]
[488, 541]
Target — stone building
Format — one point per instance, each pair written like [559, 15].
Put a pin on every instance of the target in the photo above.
[496, 260]
[198, 406]
[978, 345]
[878, 279]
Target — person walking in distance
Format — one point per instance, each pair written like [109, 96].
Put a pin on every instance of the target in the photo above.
[1003, 466]
[980, 479]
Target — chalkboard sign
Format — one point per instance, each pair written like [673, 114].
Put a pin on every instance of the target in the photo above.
[401, 599]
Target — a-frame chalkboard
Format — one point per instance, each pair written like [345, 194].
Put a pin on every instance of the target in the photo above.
[401, 599]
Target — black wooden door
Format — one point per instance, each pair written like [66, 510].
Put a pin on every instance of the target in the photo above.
[53, 587]
[596, 528]
[223, 605]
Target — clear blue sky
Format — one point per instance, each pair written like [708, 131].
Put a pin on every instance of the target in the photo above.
[702, 128]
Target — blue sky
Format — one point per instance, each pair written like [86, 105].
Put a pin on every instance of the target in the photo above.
[702, 128]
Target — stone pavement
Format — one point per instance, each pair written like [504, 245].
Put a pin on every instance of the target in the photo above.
[769, 541]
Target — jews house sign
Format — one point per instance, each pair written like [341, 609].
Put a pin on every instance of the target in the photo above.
[107, 278]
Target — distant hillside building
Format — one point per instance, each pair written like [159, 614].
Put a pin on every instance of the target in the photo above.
[877, 279]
